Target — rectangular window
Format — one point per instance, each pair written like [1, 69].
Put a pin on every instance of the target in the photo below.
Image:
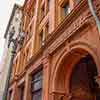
[36, 86]
[66, 9]
[47, 29]
[42, 38]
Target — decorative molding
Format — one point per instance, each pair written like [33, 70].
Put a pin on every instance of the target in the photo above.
[79, 23]
[57, 95]
[79, 18]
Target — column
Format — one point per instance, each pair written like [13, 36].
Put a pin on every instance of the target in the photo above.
[46, 77]
[27, 91]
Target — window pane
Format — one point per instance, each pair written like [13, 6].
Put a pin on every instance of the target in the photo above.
[37, 85]
[37, 76]
[37, 96]
[66, 9]
[42, 38]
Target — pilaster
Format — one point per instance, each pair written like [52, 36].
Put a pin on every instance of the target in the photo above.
[46, 76]
[27, 91]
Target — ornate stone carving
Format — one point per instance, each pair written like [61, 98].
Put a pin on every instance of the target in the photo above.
[82, 20]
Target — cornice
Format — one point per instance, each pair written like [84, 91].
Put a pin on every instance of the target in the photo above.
[69, 19]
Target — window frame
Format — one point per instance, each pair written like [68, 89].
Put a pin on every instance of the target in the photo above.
[42, 37]
[62, 10]
[66, 9]
[34, 80]
[60, 6]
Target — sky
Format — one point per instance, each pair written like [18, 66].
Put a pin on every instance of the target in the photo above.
[5, 12]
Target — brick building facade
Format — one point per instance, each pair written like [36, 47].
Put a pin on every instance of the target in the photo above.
[59, 58]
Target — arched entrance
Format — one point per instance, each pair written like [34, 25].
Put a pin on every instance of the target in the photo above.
[82, 84]
[74, 76]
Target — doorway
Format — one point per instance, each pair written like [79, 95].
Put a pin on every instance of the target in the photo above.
[83, 85]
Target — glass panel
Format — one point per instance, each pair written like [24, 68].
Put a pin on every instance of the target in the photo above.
[42, 38]
[37, 76]
[37, 95]
[66, 9]
[37, 85]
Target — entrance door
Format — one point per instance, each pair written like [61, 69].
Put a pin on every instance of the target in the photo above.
[83, 84]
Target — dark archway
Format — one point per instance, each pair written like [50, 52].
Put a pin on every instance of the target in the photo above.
[62, 78]
[82, 84]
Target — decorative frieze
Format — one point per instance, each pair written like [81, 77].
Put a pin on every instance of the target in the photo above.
[82, 20]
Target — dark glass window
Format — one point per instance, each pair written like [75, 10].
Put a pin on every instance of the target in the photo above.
[37, 86]
[37, 95]
[66, 9]
[42, 38]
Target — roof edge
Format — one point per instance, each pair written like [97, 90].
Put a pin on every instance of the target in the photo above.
[10, 19]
